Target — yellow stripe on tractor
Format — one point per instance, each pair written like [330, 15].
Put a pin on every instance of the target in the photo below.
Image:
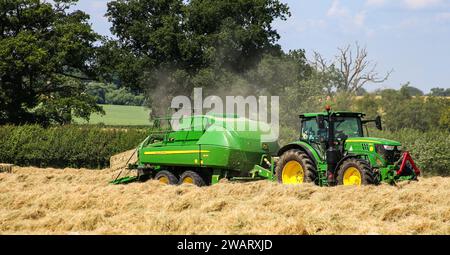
[174, 152]
[361, 141]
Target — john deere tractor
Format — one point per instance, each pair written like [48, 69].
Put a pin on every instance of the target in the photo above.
[334, 149]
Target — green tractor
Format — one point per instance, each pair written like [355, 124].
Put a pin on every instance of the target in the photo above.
[334, 149]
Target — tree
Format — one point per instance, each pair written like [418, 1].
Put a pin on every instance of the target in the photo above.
[401, 110]
[349, 71]
[46, 53]
[440, 92]
[361, 91]
[110, 94]
[326, 73]
[237, 33]
[168, 47]
[275, 73]
[409, 90]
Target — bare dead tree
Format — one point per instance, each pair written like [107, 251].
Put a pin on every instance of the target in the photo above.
[319, 63]
[325, 72]
[355, 69]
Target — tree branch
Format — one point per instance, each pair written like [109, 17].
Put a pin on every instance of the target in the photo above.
[77, 77]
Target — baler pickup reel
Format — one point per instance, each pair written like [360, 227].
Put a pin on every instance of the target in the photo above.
[125, 179]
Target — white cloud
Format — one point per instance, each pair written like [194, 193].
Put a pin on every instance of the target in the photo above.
[336, 10]
[370, 33]
[376, 2]
[419, 4]
[319, 23]
[410, 23]
[98, 6]
[443, 16]
[310, 24]
[346, 18]
[359, 19]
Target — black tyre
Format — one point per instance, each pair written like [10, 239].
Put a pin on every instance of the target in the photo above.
[295, 167]
[166, 177]
[191, 177]
[143, 175]
[355, 172]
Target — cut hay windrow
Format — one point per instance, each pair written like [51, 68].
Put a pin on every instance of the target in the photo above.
[72, 201]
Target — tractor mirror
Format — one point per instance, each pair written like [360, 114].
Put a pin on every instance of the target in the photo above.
[320, 122]
[378, 123]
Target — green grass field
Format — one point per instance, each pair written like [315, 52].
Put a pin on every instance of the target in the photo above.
[120, 115]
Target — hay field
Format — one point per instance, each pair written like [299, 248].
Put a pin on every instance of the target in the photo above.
[77, 201]
[126, 115]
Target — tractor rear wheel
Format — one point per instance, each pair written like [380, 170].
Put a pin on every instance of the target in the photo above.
[355, 172]
[191, 177]
[166, 177]
[295, 167]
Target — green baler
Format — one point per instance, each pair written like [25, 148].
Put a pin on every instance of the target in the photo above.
[205, 149]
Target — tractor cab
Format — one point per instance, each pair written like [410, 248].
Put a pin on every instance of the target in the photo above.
[314, 126]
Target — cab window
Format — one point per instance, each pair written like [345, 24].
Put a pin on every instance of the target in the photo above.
[310, 131]
[344, 127]
[347, 127]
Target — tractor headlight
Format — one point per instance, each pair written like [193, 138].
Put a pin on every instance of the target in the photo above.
[389, 147]
[400, 148]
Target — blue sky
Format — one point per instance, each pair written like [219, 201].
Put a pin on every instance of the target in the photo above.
[412, 37]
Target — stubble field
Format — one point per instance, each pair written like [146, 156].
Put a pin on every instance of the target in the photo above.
[80, 201]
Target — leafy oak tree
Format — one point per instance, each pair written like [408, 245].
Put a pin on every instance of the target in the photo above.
[167, 47]
[46, 52]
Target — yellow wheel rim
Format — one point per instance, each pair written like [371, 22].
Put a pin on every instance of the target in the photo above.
[188, 180]
[352, 176]
[163, 179]
[293, 173]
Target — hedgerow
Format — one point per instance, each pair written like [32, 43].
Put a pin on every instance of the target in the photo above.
[65, 146]
[430, 149]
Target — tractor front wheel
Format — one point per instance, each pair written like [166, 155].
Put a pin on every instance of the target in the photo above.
[355, 172]
[295, 167]
[166, 177]
[190, 177]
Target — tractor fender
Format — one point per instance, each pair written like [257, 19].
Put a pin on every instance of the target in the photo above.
[310, 151]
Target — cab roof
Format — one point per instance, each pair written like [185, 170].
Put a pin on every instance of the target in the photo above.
[335, 113]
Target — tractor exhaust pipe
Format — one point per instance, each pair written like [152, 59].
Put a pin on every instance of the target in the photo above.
[332, 155]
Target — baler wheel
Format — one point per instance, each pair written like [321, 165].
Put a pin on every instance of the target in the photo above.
[191, 177]
[355, 172]
[166, 177]
[295, 167]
